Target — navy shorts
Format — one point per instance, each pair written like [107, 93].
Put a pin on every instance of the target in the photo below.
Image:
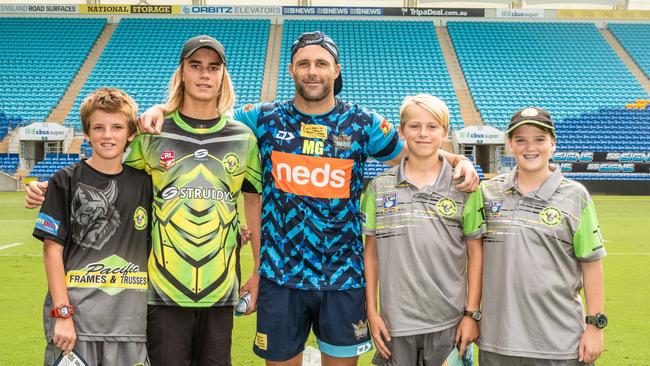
[286, 315]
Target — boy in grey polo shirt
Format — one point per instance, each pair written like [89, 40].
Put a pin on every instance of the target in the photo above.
[423, 245]
[542, 244]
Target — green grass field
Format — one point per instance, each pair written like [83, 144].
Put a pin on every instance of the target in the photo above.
[623, 222]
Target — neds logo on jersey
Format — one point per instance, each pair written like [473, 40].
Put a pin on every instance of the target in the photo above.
[312, 176]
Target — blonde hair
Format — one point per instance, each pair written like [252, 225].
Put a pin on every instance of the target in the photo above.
[225, 98]
[431, 104]
[109, 100]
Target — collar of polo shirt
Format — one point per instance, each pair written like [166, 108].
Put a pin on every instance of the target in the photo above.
[442, 183]
[546, 190]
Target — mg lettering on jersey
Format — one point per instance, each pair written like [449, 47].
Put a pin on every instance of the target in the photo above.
[312, 176]
[311, 147]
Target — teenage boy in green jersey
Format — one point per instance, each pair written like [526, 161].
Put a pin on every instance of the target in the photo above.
[200, 164]
[542, 246]
[423, 247]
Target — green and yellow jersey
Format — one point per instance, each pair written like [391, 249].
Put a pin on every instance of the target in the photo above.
[197, 173]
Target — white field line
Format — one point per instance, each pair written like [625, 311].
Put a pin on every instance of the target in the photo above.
[10, 246]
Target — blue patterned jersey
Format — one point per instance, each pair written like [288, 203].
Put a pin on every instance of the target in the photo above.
[312, 180]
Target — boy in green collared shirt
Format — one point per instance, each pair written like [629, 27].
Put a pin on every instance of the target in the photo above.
[423, 246]
[542, 244]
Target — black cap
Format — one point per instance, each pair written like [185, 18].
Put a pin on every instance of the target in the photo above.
[204, 41]
[534, 116]
[325, 41]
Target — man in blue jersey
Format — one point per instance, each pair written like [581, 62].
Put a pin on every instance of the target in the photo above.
[313, 151]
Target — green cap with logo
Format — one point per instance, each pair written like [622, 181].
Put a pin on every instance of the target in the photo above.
[531, 116]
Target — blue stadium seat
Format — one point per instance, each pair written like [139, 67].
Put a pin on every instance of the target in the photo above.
[41, 57]
[567, 68]
[634, 38]
[380, 63]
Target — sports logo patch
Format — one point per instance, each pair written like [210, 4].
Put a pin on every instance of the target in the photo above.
[390, 200]
[494, 206]
[201, 154]
[167, 159]
[446, 207]
[360, 330]
[230, 163]
[551, 216]
[140, 218]
[529, 112]
[342, 141]
[385, 126]
[261, 341]
[47, 223]
[313, 131]
[284, 135]
[247, 107]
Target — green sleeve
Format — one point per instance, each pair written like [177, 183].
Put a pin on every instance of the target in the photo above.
[587, 239]
[134, 156]
[473, 214]
[369, 209]
[253, 170]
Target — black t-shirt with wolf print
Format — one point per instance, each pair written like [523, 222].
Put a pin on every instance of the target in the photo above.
[102, 221]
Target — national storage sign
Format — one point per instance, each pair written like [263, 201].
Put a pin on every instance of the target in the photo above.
[129, 9]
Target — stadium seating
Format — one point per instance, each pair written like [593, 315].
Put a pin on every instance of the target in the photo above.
[9, 163]
[86, 150]
[44, 169]
[634, 39]
[567, 68]
[40, 57]
[609, 176]
[8, 123]
[607, 130]
[142, 55]
[381, 63]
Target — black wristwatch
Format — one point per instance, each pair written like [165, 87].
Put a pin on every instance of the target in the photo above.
[599, 320]
[474, 315]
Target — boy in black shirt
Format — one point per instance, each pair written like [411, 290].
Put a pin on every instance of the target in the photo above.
[94, 225]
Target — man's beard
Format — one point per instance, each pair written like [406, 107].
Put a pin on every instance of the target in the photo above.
[310, 98]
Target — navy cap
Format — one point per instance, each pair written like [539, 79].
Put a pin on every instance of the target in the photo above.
[325, 41]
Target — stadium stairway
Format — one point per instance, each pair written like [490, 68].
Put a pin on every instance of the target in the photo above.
[627, 60]
[62, 109]
[272, 64]
[75, 145]
[4, 144]
[468, 110]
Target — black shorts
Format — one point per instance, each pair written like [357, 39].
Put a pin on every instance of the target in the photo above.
[286, 315]
[179, 336]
